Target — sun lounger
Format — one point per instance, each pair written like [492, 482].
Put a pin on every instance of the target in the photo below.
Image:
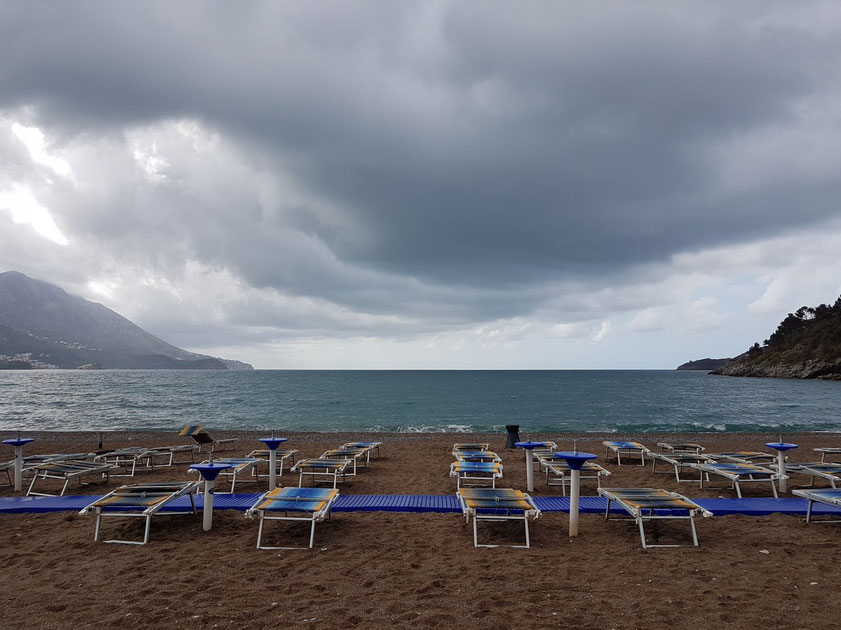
[625, 448]
[827, 496]
[679, 460]
[738, 473]
[830, 471]
[67, 471]
[371, 446]
[293, 504]
[548, 448]
[828, 450]
[476, 473]
[680, 447]
[127, 458]
[281, 456]
[168, 454]
[240, 466]
[750, 457]
[558, 471]
[497, 504]
[471, 446]
[202, 438]
[476, 456]
[353, 455]
[654, 504]
[318, 468]
[142, 500]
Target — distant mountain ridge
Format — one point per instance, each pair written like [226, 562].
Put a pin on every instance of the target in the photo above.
[43, 326]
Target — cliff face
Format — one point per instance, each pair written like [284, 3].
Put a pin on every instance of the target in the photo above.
[43, 326]
[806, 344]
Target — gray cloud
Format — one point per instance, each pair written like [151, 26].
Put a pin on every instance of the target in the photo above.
[438, 162]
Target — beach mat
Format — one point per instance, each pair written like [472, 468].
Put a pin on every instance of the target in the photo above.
[445, 503]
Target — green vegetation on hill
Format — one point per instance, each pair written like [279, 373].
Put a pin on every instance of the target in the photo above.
[806, 344]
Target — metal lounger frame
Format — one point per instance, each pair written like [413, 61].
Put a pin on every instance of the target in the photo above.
[42, 471]
[190, 489]
[736, 479]
[314, 517]
[478, 477]
[316, 472]
[638, 515]
[823, 495]
[618, 449]
[468, 511]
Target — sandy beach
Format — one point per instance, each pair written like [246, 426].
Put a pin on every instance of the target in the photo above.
[385, 569]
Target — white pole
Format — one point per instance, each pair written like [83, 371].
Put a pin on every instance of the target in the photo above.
[575, 482]
[272, 460]
[529, 471]
[207, 516]
[18, 468]
[781, 468]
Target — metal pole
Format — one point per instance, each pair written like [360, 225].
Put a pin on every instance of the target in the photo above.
[529, 471]
[207, 516]
[781, 468]
[272, 460]
[18, 468]
[575, 481]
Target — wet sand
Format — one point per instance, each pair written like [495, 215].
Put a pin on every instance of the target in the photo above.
[386, 569]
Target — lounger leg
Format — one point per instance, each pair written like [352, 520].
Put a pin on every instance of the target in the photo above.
[774, 489]
[528, 540]
[694, 533]
[312, 532]
[260, 532]
[642, 532]
[809, 510]
[475, 534]
[148, 525]
[98, 520]
[739, 489]
[66, 483]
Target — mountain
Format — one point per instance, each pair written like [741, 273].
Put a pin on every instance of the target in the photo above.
[703, 364]
[806, 344]
[43, 326]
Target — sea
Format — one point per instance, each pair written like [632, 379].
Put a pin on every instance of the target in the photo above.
[567, 401]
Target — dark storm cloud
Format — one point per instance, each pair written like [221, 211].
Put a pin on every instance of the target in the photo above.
[467, 150]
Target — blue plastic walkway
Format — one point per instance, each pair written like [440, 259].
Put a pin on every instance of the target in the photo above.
[423, 503]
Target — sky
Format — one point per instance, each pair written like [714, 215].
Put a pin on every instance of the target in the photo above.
[428, 185]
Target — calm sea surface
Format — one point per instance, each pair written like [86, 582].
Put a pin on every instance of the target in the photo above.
[452, 401]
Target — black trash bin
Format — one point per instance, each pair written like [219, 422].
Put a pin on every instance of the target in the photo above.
[513, 435]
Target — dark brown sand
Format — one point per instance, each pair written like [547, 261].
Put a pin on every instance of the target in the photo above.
[382, 569]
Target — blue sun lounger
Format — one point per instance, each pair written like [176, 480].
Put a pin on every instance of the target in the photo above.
[827, 450]
[620, 448]
[318, 468]
[680, 447]
[750, 457]
[66, 471]
[202, 438]
[471, 446]
[141, 500]
[353, 455]
[293, 504]
[497, 504]
[679, 460]
[653, 504]
[475, 473]
[371, 446]
[476, 456]
[127, 458]
[827, 496]
[738, 473]
[239, 467]
[281, 456]
[558, 471]
[830, 471]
